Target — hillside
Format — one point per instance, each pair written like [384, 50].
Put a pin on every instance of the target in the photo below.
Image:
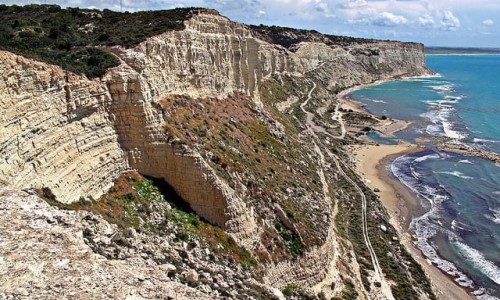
[76, 39]
[209, 155]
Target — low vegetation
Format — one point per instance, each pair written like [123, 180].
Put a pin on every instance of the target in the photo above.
[76, 39]
[398, 266]
[136, 202]
[246, 147]
[289, 37]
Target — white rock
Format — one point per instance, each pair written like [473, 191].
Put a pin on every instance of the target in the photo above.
[192, 276]
[278, 294]
[168, 268]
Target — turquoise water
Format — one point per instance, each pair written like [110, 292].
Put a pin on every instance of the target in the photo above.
[460, 232]
[381, 140]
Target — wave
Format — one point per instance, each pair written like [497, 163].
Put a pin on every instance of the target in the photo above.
[442, 103]
[485, 296]
[441, 125]
[426, 157]
[495, 217]
[427, 225]
[456, 174]
[426, 76]
[459, 225]
[446, 88]
[478, 260]
[378, 101]
[452, 133]
[414, 173]
[453, 98]
[479, 140]
[465, 161]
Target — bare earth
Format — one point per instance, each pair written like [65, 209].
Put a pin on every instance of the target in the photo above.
[371, 162]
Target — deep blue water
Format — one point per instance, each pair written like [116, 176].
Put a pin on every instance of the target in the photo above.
[461, 230]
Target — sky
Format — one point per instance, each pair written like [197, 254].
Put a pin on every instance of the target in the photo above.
[452, 23]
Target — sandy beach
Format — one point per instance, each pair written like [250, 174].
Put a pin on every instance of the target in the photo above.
[402, 205]
[386, 128]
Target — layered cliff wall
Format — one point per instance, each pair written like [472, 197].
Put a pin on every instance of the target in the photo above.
[140, 126]
[212, 57]
[55, 131]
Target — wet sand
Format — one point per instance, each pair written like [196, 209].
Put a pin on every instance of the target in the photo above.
[402, 205]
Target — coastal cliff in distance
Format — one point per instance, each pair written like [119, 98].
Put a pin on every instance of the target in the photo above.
[210, 157]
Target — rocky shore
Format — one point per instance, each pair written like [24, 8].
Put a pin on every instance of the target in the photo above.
[467, 150]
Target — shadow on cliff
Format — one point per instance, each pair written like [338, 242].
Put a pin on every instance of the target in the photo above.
[170, 194]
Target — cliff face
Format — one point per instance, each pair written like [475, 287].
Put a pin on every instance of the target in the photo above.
[267, 181]
[212, 57]
[55, 130]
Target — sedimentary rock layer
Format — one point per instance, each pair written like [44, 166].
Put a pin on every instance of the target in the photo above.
[55, 130]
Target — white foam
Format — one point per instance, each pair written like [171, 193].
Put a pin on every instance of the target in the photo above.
[456, 174]
[447, 88]
[479, 140]
[425, 226]
[486, 296]
[453, 98]
[465, 161]
[426, 157]
[378, 101]
[459, 225]
[414, 173]
[441, 126]
[452, 133]
[495, 217]
[426, 76]
[426, 230]
[477, 259]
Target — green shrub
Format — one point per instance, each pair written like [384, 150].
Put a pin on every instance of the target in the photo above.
[73, 38]
[47, 194]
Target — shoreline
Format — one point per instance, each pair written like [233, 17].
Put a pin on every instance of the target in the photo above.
[386, 128]
[402, 205]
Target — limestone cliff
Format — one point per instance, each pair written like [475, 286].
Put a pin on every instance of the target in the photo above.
[198, 108]
[55, 130]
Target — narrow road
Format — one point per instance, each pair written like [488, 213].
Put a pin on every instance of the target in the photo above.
[312, 128]
[337, 116]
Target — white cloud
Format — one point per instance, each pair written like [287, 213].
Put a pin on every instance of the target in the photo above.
[381, 19]
[449, 21]
[389, 19]
[426, 21]
[353, 4]
[488, 22]
[324, 8]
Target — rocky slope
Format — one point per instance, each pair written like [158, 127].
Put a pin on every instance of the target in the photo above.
[198, 108]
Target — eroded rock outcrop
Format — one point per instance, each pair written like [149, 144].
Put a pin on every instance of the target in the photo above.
[55, 130]
[43, 253]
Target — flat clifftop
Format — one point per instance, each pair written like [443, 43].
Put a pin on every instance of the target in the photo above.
[76, 38]
[247, 134]
[290, 37]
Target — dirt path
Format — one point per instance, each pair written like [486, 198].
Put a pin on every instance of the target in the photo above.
[384, 291]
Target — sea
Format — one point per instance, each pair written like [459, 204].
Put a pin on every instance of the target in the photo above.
[460, 229]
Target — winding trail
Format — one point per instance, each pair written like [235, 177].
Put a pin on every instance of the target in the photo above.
[337, 116]
[313, 129]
